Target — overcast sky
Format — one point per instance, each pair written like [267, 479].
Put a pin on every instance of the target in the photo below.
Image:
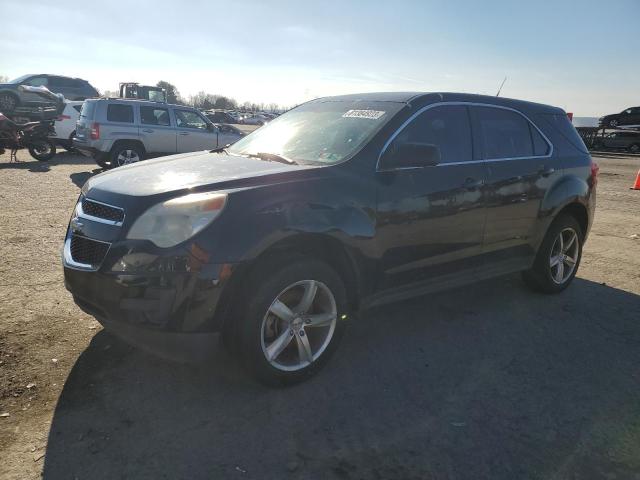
[581, 55]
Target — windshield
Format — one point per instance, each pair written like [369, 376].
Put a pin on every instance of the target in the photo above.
[320, 132]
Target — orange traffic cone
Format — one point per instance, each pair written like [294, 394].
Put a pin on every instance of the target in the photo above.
[636, 186]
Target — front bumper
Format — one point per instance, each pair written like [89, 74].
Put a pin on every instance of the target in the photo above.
[171, 306]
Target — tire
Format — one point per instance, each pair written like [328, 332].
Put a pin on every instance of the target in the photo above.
[635, 148]
[8, 102]
[126, 153]
[549, 272]
[613, 123]
[298, 347]
[42, 150]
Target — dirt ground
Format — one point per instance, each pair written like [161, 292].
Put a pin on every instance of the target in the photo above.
[490, 381]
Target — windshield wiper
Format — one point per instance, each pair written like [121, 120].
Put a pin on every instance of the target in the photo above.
[272, 157]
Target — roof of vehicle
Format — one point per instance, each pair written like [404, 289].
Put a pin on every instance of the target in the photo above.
[51, 75]
[420, 98]
[138, 101]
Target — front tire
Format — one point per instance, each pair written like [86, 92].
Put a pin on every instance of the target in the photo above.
[294, 320]
[558, 258]
[42, 150]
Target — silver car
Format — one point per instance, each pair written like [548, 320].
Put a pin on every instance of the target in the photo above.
[117, 132]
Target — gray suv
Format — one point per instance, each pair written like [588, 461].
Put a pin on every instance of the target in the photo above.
[117, 132]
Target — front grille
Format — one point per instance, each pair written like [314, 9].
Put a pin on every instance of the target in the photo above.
[100, 210]
[87, 251]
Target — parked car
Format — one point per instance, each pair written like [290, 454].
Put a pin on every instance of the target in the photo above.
[256, 120]
[336, 206]
[629, 117]
[65, 124]
[623, 140]
[220, 117]
[71, 88]
[28, 101]
[116, 132]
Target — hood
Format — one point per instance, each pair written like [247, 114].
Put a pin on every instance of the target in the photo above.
[187, 171]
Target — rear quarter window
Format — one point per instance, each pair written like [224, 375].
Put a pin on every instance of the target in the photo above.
[120, 113]
[561, 124]
[88, 110]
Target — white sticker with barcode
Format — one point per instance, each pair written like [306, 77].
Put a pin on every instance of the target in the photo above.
[370, 114]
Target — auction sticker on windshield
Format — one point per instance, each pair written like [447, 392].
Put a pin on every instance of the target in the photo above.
[370, 114]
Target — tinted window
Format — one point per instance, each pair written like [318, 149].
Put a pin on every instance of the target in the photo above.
[120, 113]
[505, 134]
[561, 123]
[77, 108]
[447, 127]
[154, 116]
[62, 82]
[189, 119]
[540, 145]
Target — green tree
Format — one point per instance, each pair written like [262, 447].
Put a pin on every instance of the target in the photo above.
[173, 96]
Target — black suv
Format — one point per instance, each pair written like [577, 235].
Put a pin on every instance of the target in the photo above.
[338, 205]
[13, 96]
[629, 117]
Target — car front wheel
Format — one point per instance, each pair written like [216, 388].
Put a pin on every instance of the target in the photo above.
[558, 258]
[293, 320]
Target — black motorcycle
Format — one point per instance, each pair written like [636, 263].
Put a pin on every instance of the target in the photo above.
[31, 135]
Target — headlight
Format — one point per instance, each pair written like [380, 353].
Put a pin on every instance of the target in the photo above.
[178, 219]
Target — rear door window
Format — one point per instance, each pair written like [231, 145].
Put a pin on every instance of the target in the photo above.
[154, 116]
[504, 134]
[448, 127]
[120, 113]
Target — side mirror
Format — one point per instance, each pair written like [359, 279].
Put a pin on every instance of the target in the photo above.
[412, 155]
[211, 127]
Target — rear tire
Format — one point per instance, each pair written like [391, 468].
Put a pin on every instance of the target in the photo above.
[126, 153]
[635, 148]
[558, 257]
[42, 150]
[292, 345]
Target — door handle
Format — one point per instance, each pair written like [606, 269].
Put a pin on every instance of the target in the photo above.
[183, 133]
[146, 130]
[545, 172]
[472, 183]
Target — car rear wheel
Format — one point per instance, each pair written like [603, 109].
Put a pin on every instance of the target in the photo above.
[635, 148]
[125, 154]
[294, 320]
[8, 102]
[558, 258]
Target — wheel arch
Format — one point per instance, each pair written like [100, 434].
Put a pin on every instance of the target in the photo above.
[323, 247]
[120, 142]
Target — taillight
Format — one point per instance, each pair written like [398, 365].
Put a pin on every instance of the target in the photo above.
[594, 173]
[95, 131]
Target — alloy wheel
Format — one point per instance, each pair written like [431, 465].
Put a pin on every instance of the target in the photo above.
[564, 255]
[125, 157]
[299, 325]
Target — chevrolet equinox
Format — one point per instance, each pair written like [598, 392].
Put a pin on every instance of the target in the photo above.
[341, 204]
